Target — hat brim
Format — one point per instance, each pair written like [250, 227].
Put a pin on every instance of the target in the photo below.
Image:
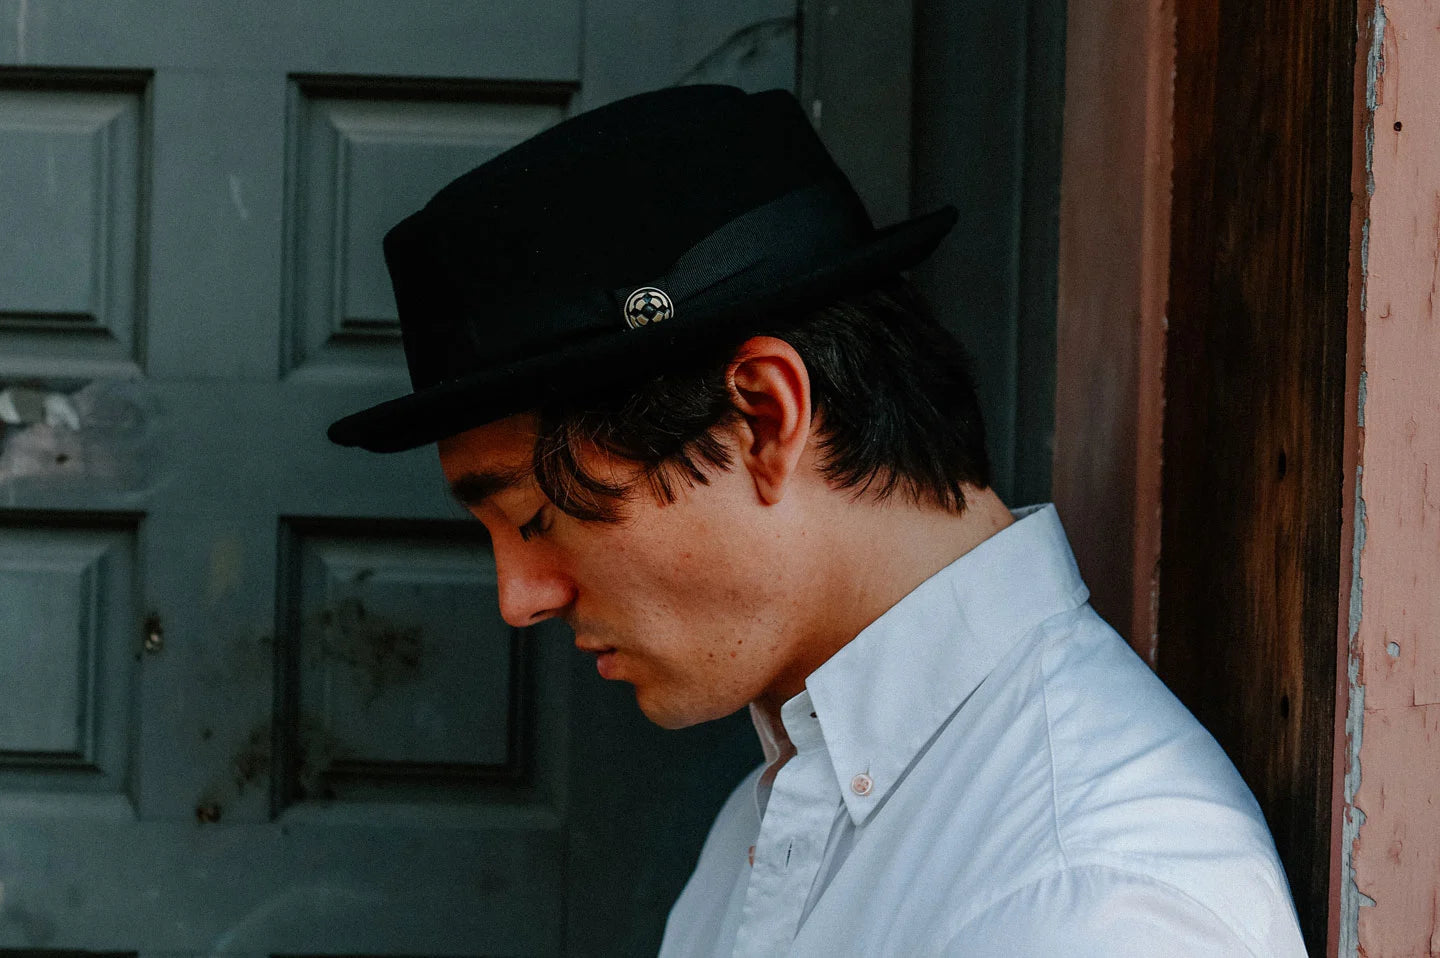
[452, 407]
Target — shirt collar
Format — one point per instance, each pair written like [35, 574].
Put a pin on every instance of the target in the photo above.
[884, 695]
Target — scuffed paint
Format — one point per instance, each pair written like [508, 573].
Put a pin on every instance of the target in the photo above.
[1357, 585]
[1390, 849]
[751, 42]
[381, 651]
[1375, 65]
[1374, 70]
[237, 198]
[98, 433]
[227, 565]
[22, 29]
[1360, 412]
[1364, 259]
[24, 406]
[1351, 897]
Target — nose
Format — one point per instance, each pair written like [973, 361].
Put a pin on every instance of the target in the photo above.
[531, 587]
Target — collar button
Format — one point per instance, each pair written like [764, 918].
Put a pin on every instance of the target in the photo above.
[862, 784]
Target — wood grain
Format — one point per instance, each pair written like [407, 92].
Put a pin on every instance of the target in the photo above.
[1255, 382]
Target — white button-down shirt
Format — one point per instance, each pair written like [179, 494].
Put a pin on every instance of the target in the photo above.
[988, 770]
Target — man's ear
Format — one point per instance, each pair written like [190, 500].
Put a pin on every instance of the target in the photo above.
[770, 387]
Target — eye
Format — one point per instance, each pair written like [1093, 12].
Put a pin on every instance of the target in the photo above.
[534, 526]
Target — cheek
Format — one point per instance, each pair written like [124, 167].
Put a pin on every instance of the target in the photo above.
[722, 657]
[652, 576]
[697, 603]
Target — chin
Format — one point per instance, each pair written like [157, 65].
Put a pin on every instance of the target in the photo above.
[667, 718]
[676, 715]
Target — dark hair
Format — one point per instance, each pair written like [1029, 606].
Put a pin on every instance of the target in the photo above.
[888, 384]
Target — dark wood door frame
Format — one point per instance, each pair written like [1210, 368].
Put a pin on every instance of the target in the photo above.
[1254, 399]
[1256, 285]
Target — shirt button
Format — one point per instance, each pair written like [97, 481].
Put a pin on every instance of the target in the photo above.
[861, 784]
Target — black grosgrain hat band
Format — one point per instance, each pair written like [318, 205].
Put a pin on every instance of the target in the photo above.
[758, 247]
[616, 245]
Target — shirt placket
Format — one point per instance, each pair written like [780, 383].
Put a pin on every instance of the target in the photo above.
[788, 854]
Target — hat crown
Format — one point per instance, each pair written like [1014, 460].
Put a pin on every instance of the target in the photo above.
[604, 200]
[618, 244]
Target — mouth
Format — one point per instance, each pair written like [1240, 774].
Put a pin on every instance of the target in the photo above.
[604, 658]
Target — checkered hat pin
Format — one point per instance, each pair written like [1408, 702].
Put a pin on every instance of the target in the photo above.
[647, 305]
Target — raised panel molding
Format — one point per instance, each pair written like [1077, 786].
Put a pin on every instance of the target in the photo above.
[66, 658]
[363, 156]
[399, 679]
[71, 160]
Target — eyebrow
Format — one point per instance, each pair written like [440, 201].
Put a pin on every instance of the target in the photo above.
[474, 488]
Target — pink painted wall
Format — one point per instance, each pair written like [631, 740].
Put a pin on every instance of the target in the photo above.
[1393, 733]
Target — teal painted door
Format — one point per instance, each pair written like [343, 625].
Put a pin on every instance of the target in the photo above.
[255, 695]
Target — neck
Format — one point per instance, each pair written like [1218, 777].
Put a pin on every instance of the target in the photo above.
[869, 560]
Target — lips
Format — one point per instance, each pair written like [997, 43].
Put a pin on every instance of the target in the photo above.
[604, 658]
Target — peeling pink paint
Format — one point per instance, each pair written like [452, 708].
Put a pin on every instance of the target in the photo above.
[1398, 853]
[1395, 654]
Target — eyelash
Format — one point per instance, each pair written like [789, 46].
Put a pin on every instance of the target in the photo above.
[534, 527]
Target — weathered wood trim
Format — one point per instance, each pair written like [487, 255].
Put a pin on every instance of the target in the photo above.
[1113, 269]
[1254, 403]
[1343, 900]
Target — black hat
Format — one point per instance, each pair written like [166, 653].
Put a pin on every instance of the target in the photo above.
[616, 244]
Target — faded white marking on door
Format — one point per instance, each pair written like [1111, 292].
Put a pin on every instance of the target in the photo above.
[22, 26]
[237, 198]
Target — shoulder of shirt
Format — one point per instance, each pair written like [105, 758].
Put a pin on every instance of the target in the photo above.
[1095, 910]
[1141, 788]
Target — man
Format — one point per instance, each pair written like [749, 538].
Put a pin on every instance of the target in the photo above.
[669, 364]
